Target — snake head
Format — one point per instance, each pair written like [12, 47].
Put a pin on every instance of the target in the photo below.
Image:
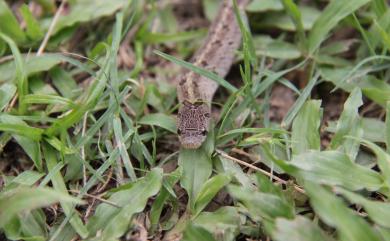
[193, 122]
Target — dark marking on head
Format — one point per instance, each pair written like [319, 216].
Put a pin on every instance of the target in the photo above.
[217, 42]
[182, 81]
[193, 124]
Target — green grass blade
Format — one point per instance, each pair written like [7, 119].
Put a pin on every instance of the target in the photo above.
[305, 128]
[10, 25]
[330, 17]
[198, 70]
[292, 112]
[24, 199]
[21, 77]
[60, 186]
[333, 212]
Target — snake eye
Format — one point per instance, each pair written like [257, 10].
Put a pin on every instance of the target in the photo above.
[207, 115]
[203, 133]
[179, 131]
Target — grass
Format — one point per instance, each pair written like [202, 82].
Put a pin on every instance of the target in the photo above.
[88, 149]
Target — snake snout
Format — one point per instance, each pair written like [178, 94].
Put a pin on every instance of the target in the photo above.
[191, 139]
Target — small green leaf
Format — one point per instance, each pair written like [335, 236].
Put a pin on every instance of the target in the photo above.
[305, 129]
[112, 221]
[298, 229]
[196, 233]
[197, 167]
[33, 29]
[209, 190]
[223, 223]
[335, 168]
[264, 5]
[88, 10]
[261, 205]
[10, 25]
[378, 211]
[7, 92]
[161, 120]
[333, 212]
[349, 124]
[32, 133]
[275, 48]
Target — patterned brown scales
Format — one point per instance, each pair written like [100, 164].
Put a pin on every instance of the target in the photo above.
[195, 92]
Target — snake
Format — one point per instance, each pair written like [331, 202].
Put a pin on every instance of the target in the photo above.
[195, 92]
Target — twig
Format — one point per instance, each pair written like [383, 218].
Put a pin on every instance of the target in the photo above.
[51, 28]
[296, 187]
[97, 198]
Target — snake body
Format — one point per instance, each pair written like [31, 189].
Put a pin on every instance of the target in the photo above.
[195, 92]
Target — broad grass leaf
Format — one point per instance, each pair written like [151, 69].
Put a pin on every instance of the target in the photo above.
[196, 233]
[113, 221]
[375, 89]
[379, 7]
[330, 17]
[383, 159]
[33, 64]
[33, 28]
[159, 119]
[208, 191]
[298, 229]
[64, 82]
[282, 21]
[373, 129]
[265, 185]
[261, 205]
[197, 168]
[232, 168]
[335, 213]
[378, 211]
[349, 124]
[264, 5]
[26, 178]
[305, 128]
[7, 92]
[223, 223]
[275, 48]
[24, 199]
[385, 232]
[10, 25]
[88, 10]
[335, 168]
[31, 225]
